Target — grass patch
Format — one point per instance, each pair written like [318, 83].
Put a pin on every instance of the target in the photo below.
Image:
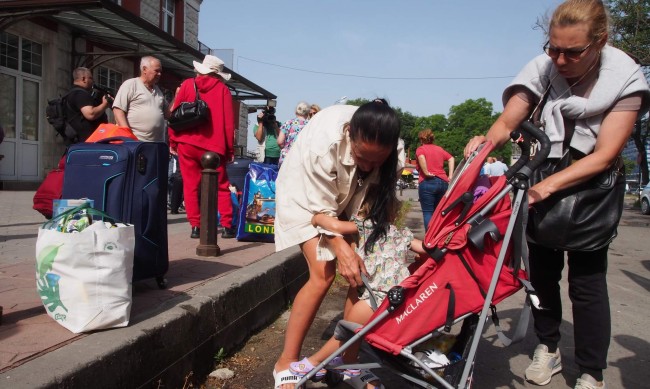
[404, 209]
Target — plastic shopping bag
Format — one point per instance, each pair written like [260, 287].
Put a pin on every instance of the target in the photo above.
[84, 269]
[257, 208]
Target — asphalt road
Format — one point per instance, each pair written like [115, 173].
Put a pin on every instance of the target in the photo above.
[498, 366]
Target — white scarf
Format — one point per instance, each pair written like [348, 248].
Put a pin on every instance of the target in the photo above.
[618, 76]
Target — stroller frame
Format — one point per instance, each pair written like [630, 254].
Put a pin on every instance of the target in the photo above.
[517, 178]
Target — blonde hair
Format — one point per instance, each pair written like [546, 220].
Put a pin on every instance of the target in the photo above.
[426, 136]
[314, 107]
[591, 12]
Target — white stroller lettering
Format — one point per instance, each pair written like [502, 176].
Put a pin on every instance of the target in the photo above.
[428, 292]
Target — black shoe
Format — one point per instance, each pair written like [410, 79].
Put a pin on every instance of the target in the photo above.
[196, 233]
[174, 212]
[228, 233]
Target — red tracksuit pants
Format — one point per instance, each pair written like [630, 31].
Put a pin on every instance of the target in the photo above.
[189, 157]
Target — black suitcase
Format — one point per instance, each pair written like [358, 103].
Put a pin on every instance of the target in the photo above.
[128, 181]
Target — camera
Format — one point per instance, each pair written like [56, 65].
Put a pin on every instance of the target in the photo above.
[99, 92]
[269, 115]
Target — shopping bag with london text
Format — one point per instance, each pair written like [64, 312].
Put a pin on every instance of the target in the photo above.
[84, 268]
[257, 208]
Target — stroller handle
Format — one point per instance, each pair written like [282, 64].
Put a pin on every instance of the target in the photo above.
[524, 164]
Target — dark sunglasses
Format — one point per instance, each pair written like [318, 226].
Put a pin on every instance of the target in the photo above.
[570, 54]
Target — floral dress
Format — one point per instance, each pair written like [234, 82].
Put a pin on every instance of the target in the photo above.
[387, 263]
[290, 128]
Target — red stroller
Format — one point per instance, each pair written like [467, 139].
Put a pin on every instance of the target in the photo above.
[476, 247]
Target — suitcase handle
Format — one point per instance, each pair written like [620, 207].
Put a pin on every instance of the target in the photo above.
[117, 138]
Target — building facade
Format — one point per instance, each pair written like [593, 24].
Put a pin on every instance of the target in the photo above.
[42, 41]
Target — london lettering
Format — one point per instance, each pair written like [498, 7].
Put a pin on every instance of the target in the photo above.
[259, 229]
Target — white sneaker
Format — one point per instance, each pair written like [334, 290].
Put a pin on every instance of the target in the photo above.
[588, 382]
[544, 365]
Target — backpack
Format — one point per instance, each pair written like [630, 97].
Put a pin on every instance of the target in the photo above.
[56, 114]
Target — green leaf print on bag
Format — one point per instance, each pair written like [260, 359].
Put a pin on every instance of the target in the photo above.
[48, 289]
[48, 283]
[45, 259]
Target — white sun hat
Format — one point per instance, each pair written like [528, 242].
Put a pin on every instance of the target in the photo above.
[211, 64]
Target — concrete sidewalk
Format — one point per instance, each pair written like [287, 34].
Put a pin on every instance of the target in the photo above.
[210, 303]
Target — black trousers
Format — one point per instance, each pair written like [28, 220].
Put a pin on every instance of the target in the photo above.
[175, 191]
[589, 298]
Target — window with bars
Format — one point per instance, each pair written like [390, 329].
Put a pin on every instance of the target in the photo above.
[109, 78]
[21, 54]
[168, 11]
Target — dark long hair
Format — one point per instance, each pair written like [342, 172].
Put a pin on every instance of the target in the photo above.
[376, 122]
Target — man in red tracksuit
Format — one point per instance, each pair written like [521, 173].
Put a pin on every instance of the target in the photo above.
[216, 134]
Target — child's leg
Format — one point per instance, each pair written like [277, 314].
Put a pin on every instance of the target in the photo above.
[359, 313]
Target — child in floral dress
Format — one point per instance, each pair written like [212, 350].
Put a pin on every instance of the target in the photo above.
[386, 260]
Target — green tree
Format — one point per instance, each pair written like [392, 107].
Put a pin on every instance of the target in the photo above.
[466, 120]
[631, 32]
[357, 102]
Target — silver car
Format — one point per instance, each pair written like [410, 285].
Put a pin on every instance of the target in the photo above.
[645, 200]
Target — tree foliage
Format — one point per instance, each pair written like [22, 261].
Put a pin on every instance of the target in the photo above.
[466, 120]
[630, 25]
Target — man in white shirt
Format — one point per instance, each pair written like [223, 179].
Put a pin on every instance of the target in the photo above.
[140, 104]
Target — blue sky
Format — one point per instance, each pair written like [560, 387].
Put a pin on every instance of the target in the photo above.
[376, 42]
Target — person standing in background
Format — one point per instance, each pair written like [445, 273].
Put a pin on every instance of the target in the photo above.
[140, 105]
[83, 115]
[266, 132]
[313, 110]
[433, 181]
[497, 167]
[291, 128]
[216, 134]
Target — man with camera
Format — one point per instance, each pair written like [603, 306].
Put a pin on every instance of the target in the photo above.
[266, 132]
[84, 112]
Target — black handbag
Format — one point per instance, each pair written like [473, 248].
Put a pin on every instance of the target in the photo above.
[189, 114]
[580, 218]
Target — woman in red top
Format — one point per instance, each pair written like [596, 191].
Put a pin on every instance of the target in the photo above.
[216, 134]
[433, 181]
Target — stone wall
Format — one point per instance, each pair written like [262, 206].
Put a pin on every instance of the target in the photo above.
[150, 11]
[191, 23]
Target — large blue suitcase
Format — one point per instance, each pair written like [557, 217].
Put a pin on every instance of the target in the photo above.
[128, 181]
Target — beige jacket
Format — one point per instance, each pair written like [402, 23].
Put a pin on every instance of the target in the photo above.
[319, 175]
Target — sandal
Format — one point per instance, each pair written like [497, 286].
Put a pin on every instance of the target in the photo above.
[284, 377]
[304, 367]
[361, 380]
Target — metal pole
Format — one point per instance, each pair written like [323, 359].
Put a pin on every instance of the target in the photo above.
[208, 246]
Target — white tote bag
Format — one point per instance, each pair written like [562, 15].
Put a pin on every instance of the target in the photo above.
[84, 278]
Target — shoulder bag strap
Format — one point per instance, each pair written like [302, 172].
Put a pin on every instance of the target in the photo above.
[196, 90]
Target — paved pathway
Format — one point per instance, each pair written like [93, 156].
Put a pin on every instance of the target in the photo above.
[27, 331]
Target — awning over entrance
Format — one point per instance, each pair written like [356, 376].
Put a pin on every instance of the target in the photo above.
[106, 23]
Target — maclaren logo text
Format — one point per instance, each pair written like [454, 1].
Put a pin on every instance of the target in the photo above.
[426, 293]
